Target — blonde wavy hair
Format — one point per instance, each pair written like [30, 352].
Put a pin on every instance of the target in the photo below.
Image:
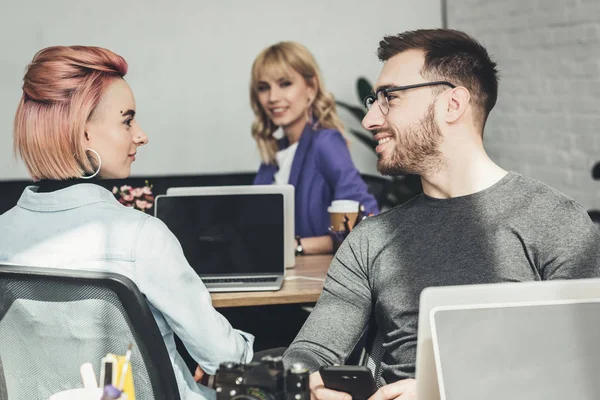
[283, 56]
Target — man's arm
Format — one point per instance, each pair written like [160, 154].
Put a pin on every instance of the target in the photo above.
[570, 244]
[342, 313]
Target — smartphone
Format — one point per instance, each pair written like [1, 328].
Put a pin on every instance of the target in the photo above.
[355, 380]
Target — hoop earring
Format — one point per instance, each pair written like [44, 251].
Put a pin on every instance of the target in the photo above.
[99, 164]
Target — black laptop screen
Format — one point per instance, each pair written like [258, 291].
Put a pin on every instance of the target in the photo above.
[227, 234]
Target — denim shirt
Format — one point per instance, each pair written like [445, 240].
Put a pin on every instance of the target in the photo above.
[84, 227]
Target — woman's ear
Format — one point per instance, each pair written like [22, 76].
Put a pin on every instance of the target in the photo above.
[89, 130]
[86, 138]
[312, 87]
[88, 135]
[86, 129]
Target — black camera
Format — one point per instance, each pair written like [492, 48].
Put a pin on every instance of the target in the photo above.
[264, 380]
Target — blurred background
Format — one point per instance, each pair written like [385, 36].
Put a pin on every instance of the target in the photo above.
[190, 68]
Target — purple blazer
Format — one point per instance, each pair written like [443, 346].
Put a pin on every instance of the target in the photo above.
[322, 171]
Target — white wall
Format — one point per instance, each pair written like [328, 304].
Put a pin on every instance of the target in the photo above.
[190, 65]
[546, 123]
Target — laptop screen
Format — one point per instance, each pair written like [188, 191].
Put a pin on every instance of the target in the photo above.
[230, 234]
[526, 351]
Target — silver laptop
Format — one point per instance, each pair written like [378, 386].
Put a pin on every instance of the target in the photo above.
[533, 340]
[288, 207]
[538, 350]
[234, 240]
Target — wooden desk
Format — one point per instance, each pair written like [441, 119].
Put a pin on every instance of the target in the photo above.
[293, 291]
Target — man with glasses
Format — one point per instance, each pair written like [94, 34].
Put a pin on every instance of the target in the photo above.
[474, 223]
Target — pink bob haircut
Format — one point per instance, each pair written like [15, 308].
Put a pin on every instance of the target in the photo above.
[61, 89]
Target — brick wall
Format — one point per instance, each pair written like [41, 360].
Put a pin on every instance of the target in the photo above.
[546, 123]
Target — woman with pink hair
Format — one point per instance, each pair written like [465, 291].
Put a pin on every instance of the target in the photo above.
[76, 121]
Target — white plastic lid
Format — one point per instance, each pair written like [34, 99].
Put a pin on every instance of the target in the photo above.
[343, 206]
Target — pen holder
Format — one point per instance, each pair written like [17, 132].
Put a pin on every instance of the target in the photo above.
[128, 388]
[78, 394]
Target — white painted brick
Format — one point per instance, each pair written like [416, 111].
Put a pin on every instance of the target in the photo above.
[546, 123]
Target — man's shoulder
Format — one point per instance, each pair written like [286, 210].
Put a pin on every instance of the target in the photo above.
[391, 218]
[541, 195]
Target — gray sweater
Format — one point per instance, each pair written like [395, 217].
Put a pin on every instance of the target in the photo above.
[516, 230]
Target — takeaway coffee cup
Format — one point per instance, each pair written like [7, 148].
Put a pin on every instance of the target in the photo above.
[343, 215]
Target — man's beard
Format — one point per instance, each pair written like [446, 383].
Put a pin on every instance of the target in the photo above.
[416, 150]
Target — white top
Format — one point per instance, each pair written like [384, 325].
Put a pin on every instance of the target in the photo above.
[285, 158]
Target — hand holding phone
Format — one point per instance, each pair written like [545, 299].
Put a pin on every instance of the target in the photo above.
[355, 380]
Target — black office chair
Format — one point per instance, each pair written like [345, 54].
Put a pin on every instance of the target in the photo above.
[54, 320]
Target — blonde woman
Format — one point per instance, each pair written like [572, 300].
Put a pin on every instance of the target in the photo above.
[287, 92]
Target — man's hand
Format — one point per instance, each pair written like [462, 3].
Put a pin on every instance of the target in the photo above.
[405, 389]
[319, 392]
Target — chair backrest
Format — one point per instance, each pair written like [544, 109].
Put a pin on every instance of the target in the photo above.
[54, 320]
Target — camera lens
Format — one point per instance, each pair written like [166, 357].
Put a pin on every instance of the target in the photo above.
[253, 393]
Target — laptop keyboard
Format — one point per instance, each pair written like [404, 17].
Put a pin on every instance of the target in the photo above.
[238, 280]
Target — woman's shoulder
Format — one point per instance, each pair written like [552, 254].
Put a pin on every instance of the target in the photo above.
[155, 225]
[141, 227]
[136, 219]
[327, 133]
[155, 230]
[118, 217]
[328, 137]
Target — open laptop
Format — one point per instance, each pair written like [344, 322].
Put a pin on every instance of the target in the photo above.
[538, 350]
[288, 207]
[457, 323]
[233, 238]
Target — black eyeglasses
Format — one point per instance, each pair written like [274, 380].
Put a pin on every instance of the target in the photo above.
[382, 94]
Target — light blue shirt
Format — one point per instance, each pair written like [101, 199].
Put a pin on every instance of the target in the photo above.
[84, 227]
